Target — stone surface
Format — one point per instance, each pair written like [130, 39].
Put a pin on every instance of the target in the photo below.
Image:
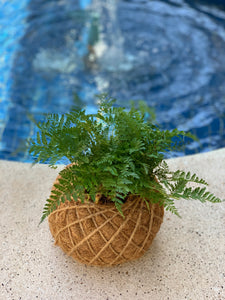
[185, 261]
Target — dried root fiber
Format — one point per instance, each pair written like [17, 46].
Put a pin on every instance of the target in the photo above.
[97, 234]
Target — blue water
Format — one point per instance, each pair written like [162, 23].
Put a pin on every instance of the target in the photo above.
[57, 54]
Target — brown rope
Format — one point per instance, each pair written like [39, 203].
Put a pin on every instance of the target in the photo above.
[102, 236]
[78, 220]
[132, 234]
[115, 227]
[147, 238]
[92, 233]
[113, 237]
[98, 235]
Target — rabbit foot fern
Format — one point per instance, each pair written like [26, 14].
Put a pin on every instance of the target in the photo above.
[114, 153]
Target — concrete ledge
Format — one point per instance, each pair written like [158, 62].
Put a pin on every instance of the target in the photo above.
[186, 260]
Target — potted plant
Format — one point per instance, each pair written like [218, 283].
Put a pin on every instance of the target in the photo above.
[107, 204]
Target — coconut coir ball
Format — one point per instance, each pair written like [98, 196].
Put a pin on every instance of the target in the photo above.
[97, 234]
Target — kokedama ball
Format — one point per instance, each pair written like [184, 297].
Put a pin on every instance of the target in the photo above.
[97, 234]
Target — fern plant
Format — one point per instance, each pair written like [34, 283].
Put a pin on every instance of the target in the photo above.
[113, 153]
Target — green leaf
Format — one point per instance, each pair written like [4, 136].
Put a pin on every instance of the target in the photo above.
[38, 140]
[43, 138]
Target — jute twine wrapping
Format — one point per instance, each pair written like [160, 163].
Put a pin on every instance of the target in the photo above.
[96, 234]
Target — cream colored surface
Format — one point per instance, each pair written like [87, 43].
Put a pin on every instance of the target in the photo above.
[186, 260]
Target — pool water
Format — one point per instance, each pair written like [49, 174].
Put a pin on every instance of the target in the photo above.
[58, 54]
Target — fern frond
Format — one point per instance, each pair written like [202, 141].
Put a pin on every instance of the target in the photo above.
[113, 152]
[181, 175]
[169, 206]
